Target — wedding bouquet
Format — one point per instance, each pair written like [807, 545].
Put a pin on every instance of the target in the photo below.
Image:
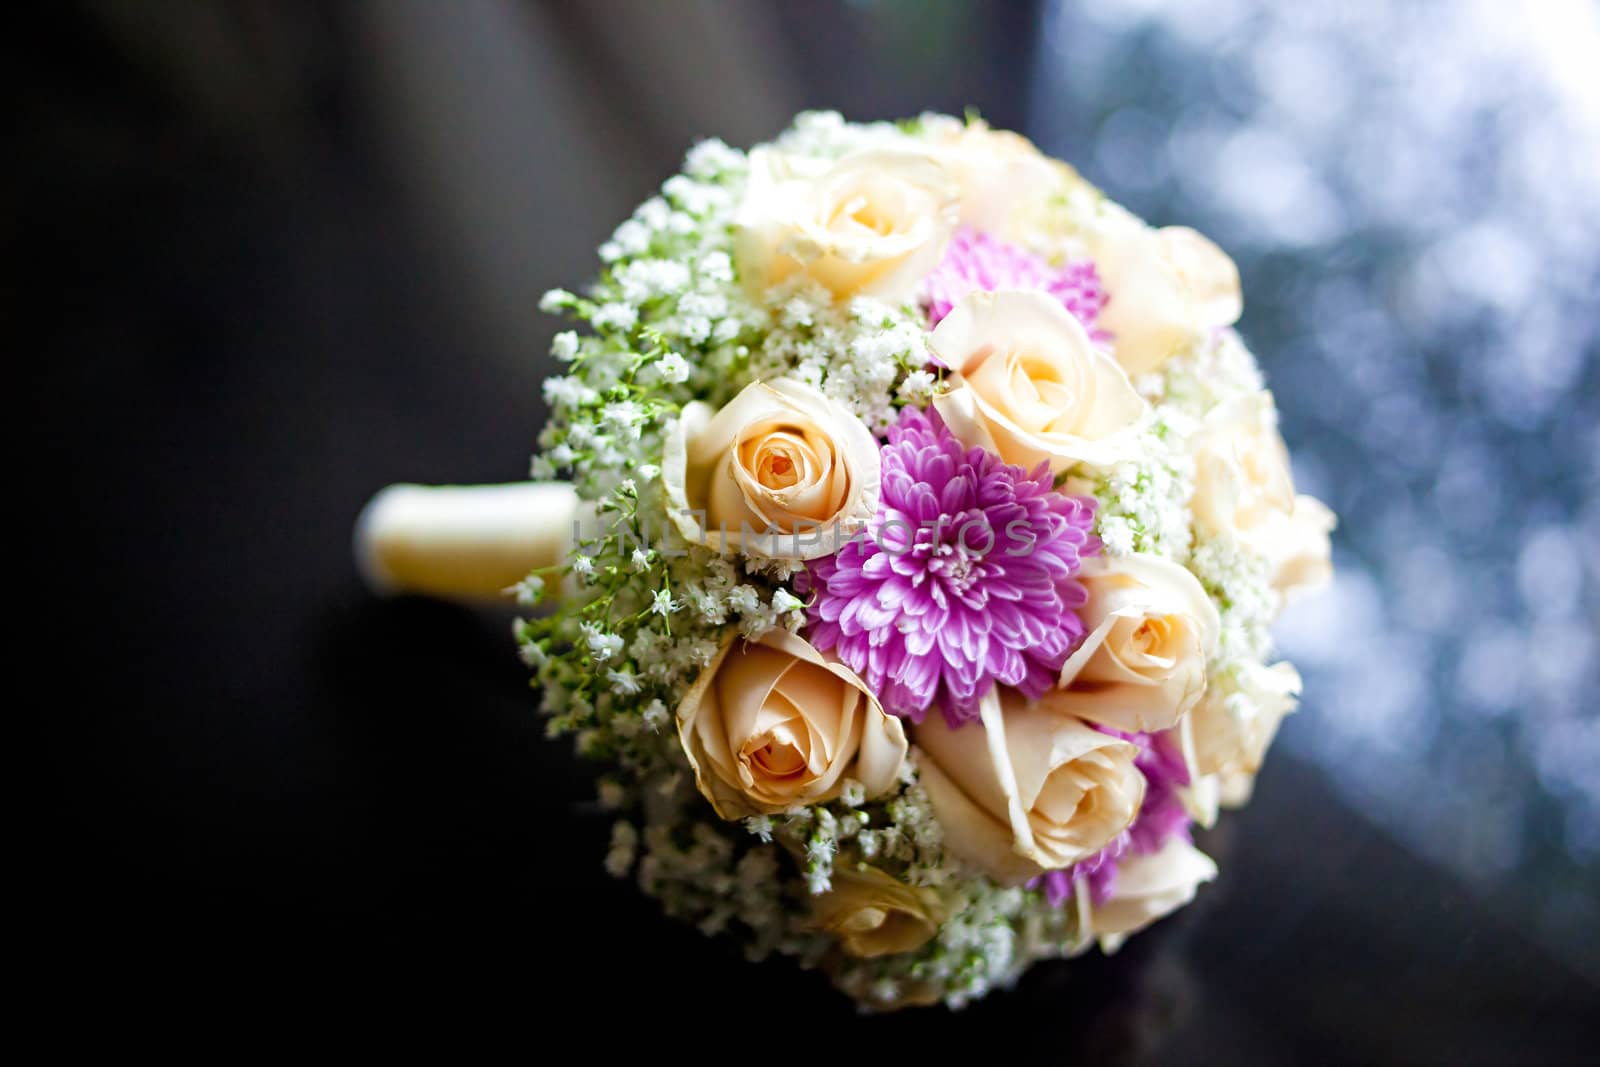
[931, 519]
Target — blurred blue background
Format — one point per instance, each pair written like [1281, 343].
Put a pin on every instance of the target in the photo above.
[1412, 193]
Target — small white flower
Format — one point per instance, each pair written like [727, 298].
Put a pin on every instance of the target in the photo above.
[694, 328]
[662, 603]
[641, 560]
[819, 860]
[619, 317]
[760, 825]
[602, 646]
[717, 267]
[623, 682]
[711, 158]
[680, 188]
[632, 238]
[783, 600]
[744, 599]
[529, 591]
[696, 198]
[708, 603]
[565, 346]
[656, 715]
[648, 279]
[625, 417]
[1117, 536]
[653, 213]
[779, 570]
[1150, 385]
[646, 645]
[583, 565]
[711, 305]
[560, 391]
[721, 573]
[701, 651]
[917, 388]
[673, 368]
[754, 625]
[554, 300]
[799, 312]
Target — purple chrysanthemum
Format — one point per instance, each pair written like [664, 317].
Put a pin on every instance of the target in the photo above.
[1161, 817]
[976, 262]
[962, 579]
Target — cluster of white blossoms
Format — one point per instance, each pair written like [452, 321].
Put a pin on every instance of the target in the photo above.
[758, 331]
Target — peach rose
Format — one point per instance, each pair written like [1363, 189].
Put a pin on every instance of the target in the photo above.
[1001, 174]
[1030, 386]
[1205, 799]
[1242, 476]
[1148, 887]
[1151, 630]
[1029, 790]
[1167, 288]
[1299, 548]
[874, 914]
[781, 470]
[1229, 731]
[1244, 489]
[873, 223]
[771, 724]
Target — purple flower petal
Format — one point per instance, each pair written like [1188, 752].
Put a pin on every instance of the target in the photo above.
[963, 579]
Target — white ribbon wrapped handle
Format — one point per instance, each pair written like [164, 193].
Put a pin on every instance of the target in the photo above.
[462, 542]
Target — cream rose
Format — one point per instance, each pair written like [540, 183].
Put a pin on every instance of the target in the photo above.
[1299, 549]
[780, 470]
[1205, 799]
[1242, 476]
[1167, 288]
[873, 223]
[1230, 730]
[771, 723]
[1030, 386]
[875, 914]
[1029, 789]
[1151, 630]
[1234, 788]
[1001, 174]
[1243, 488]
[1148, 887]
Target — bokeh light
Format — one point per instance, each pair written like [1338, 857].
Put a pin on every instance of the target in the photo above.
[1411, 193]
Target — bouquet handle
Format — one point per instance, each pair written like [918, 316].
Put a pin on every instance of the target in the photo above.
[462, 542]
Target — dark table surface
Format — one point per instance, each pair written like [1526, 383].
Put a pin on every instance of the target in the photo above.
[276, 797]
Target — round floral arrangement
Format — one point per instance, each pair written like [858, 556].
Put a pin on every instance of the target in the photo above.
[926, 522]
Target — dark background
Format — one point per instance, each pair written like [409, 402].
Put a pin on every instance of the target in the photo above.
[264, 258]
